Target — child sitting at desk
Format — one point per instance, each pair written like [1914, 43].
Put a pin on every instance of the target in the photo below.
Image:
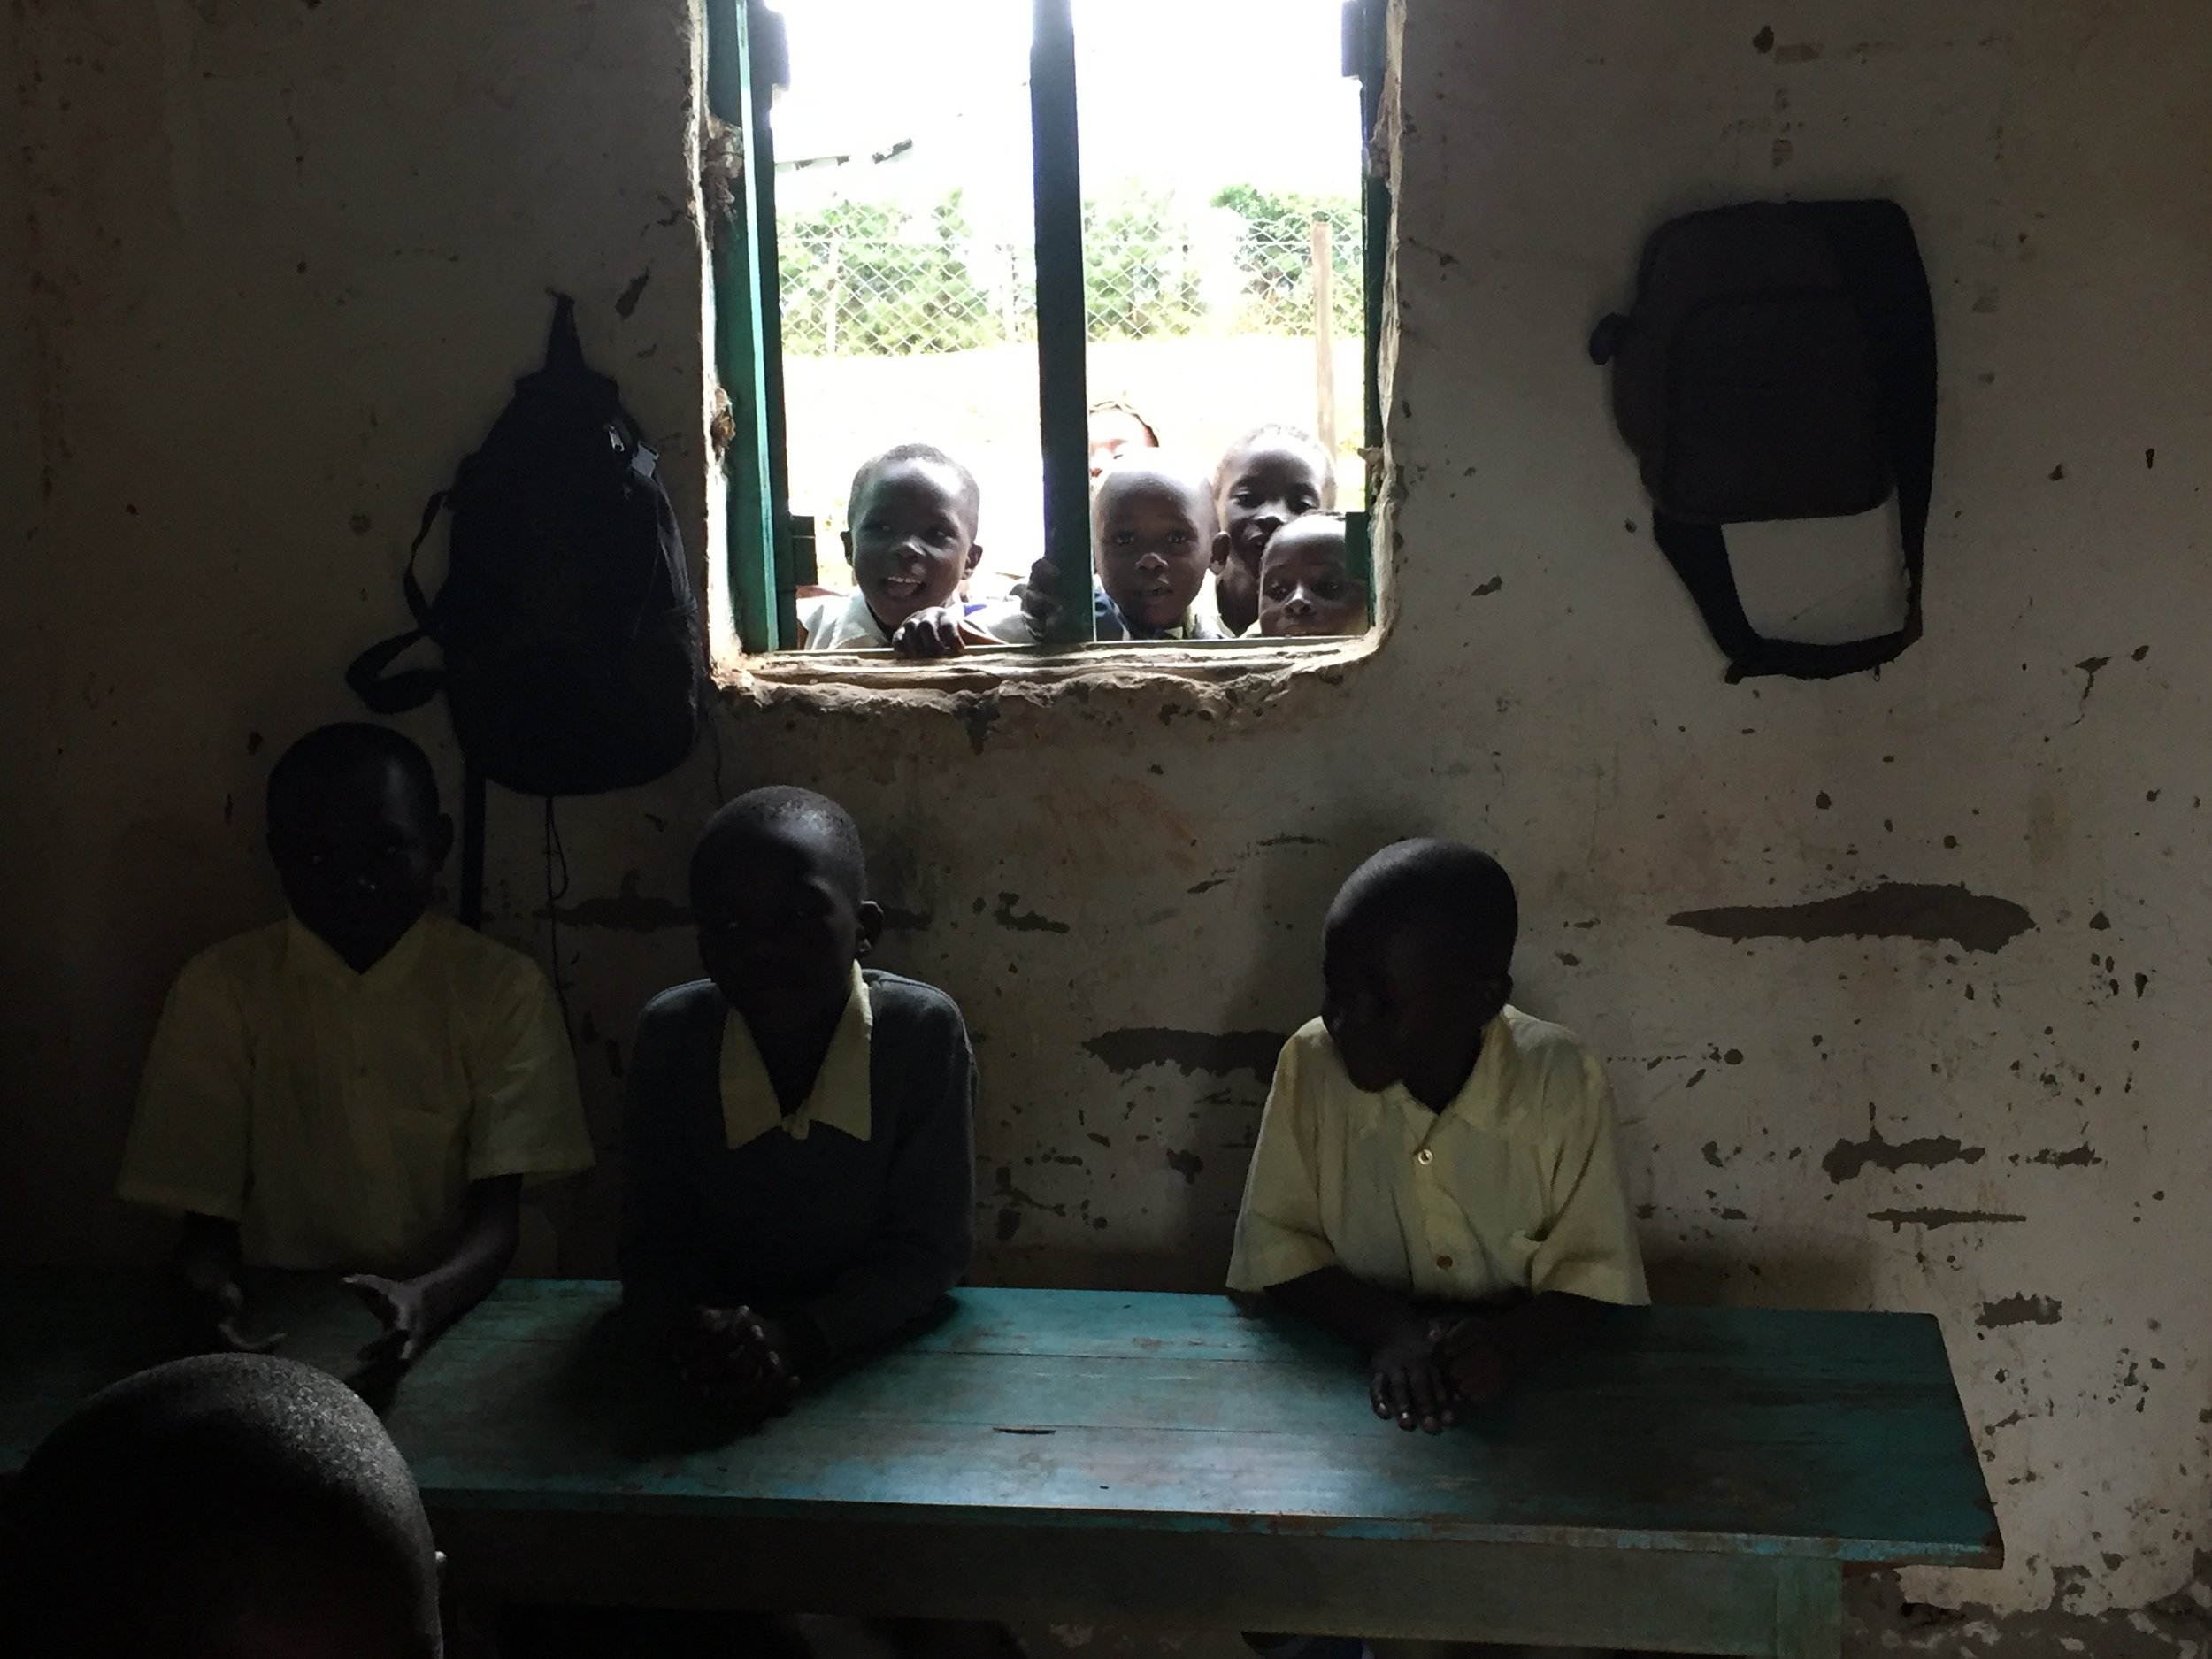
[796, 1174]
[227, 1505]
[363, 1084]
[1436, 1178]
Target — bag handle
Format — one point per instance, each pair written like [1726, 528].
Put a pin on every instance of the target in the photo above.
[563, 350]
[1699, 553]
[1879, 260]
[370, 674]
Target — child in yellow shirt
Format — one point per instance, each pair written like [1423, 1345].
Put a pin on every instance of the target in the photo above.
[1437, 1179]
[363, 1086]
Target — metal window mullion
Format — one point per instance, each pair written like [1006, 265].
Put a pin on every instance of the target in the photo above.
[768, 67]
[738, 310]
[1063, 403]
[1372, 42]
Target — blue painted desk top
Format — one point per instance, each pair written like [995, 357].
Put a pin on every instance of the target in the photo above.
[1834, 1436]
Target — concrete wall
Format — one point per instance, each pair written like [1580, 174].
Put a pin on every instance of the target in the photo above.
[280, 261]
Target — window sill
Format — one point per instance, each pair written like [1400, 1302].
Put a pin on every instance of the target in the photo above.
[1164, 664]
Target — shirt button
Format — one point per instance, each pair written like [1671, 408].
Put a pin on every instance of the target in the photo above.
[1424, 1156]
[1443, 1261]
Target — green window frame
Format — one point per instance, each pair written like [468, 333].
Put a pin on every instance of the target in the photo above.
[769, 553]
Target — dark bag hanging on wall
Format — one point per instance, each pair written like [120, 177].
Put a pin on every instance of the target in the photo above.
[1780, 363]
[571, 638]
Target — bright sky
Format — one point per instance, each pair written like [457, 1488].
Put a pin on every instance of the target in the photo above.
[1189, 95]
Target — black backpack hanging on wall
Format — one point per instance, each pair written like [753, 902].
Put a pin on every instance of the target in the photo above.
[566, 620]
[1780, 363]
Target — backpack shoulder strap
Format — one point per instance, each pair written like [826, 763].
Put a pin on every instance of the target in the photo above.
[370, 675]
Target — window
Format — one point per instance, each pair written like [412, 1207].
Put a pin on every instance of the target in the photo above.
[1027, 233]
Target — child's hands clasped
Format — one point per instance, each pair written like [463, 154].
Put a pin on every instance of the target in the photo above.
[1427, 1371]
[1474, 1364]
[742, 1362]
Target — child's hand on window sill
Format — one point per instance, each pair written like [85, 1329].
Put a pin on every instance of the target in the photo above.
[937, 632]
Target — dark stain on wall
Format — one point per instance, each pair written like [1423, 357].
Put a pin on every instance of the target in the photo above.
[1902, 1218]
[2072, 1157]
[1024, 921]
[626, 911]
[1188, 1165]
[1893, 909]
[1847, 1159]
[1188, 1051]
[2019, 1311]
[978, 711]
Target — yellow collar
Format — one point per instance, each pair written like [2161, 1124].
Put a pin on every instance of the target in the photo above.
[306, 953]
[839, 1097]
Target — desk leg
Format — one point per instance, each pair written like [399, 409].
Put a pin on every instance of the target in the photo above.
[1809, 1610]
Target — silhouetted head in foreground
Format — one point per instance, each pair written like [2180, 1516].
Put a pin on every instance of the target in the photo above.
[229, 1507]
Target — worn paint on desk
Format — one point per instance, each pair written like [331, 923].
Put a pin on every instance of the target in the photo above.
[1823, 1435]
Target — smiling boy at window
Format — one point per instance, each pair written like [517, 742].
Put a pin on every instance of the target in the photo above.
[912, 540]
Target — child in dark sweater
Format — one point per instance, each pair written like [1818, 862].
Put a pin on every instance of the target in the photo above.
[797, 1178]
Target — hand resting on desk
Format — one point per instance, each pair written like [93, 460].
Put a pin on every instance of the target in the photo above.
[743, 1362]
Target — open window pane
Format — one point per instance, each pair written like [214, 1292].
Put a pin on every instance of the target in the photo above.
[1220, 179]
[906, 261]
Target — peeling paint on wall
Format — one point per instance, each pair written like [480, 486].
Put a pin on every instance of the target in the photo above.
[1939, 1218]
[1847, 1159]
[2019, 1311]
[627, 909]
[1894, 909]
[1188, 1051]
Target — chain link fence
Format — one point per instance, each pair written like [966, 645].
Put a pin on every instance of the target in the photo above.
[867, 280]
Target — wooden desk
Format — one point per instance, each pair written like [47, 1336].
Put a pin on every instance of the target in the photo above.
[1693, 1479]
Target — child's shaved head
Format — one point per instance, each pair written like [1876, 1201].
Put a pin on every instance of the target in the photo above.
[865, 476]
[1458, 900]
[782, 811]
[356, 836]
[230, 1505]
[344, 750]
[1152, 522]
[1416, 962]
[779, 893]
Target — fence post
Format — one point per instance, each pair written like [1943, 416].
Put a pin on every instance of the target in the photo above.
[1324, 341]
[831, 298]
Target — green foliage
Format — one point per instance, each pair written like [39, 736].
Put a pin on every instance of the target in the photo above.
[869, 279]
[864, 278]
[1140, 277]
[1274, 254]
